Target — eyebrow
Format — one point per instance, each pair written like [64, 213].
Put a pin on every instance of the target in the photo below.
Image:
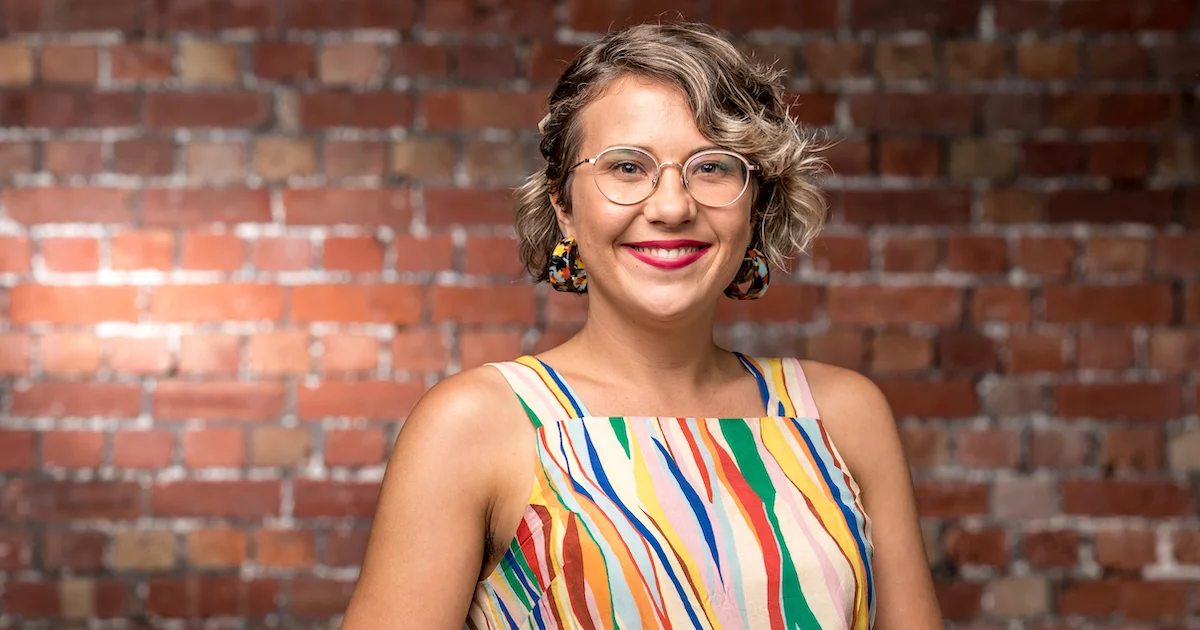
[707, 147]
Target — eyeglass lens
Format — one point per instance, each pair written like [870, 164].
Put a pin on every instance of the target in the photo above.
[627, 176]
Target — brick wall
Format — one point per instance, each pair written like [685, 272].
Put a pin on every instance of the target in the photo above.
[238, 238]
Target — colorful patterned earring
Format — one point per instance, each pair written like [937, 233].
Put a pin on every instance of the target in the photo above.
[566, 270]
[755, 270]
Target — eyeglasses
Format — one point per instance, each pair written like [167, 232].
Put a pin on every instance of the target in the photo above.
[628, 175]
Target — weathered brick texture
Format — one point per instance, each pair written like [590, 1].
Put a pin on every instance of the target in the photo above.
[240, 238]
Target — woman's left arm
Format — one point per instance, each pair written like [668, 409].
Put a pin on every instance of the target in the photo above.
[859, 421]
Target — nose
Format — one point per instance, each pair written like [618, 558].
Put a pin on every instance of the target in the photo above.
[670, 204]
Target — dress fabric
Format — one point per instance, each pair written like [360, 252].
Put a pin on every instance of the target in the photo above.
[659, 522]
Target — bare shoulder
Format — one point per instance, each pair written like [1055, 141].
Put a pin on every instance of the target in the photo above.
[855, 413]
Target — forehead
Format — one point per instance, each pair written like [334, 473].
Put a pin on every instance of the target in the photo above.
[641, 112]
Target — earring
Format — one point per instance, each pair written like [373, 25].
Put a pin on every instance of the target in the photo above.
[566, 271]
[755, 270]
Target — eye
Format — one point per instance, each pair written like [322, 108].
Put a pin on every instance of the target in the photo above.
[627, 168]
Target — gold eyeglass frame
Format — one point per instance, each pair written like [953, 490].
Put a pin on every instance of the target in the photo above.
[659, 169]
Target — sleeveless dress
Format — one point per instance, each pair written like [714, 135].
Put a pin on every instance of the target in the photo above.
[660, 522]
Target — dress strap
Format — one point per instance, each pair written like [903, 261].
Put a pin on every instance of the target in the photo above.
[783, 386]
[546, 396]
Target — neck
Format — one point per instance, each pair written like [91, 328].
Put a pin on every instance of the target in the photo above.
[671, 352]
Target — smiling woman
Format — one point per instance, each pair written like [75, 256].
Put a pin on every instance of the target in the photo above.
[638, 475]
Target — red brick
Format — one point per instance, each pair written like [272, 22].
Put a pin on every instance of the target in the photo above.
[1052, 158]
[216, 302]
[69, 254]
[1046, 256]
[144, 156]
[987, 448]
[216, 499]
[904, 61]
[966, 351]
[933, 113]
[283, 61]
[811, 108]
[375, 400]
[348, 353]
[977, 254]
[1116, 15]
[33, 599]
[16, 450]
[355, 447]
[1060, 448]
[513, 17]
[486, 62]
[355, 158]
[1139, 448]
[1051, 548]
[142, 250]
[1119, 401]
[1104, 350]
[1112, 206]
[1120, 159]
[950, 499]
[213, 15]
[471, 109]
[345, 548]
[898, 352]
[15, 352]
[1153, 499]
[16, 550]
[70, 353]
[142, 449]
[216, 447]
[391, 303]
[62, 108]
[911, 254]
[1125, 304]
[212, 252]
[62, 157]
[844, 348]
[1117, 60]
[875, 305]
[1177, 60]
[944, 399]
[1174, 350]
[65, 399]
[478, 348]
[849, 157]
[28, 500]
[15, 157]
[15, 254]
[69, 64]
[184, 207]
[358, 254]
[1048, 60]
[168, 110]
[1001, 303]
[1131, 598]
[73, 449]
[909, 157]
[335, 498]
[841, 253]
[355, 206]
[282, 254]
[16, 64]
[34, 206]
[785, 303]
[285, 549]
[278, 352]
[420, 351]
[417, 60]
[449, 206]
[940, 15]
[180, 400]
[350, 14]
[1116, 255]
[220, 547]
[1177, 255]
[959, 600]
[140, 61]
[1125, 549]
[548, 60]
[907, 207]
[209, 353]
[924, 447]
[374, 110]
[484, 304]
[988, 547]
[72, 304]
[1036, 352]
[735, 16]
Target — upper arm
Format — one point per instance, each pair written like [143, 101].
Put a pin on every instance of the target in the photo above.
[426, 544]
[860, 423]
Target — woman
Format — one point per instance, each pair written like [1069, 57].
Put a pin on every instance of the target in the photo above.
[701, 490]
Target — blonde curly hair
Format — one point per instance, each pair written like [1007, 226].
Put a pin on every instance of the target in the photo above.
[738, 105]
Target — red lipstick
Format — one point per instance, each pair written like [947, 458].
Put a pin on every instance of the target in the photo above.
[677, 261]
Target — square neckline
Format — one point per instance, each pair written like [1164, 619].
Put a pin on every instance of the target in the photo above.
[766, 390]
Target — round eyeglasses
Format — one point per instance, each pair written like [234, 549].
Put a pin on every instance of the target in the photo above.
[629, 175]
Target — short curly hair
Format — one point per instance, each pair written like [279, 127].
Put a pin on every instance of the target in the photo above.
[738, 104]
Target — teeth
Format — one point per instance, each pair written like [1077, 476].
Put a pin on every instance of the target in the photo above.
[668, 254]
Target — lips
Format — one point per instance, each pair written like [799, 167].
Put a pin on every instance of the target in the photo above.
[673, 254]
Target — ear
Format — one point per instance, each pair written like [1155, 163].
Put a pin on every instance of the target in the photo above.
[564, 217]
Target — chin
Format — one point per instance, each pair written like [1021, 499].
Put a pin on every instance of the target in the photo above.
[667, 304]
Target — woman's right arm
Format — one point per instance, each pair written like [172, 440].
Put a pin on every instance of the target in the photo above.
[425, 549]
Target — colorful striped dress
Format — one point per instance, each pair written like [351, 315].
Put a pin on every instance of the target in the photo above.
[661, 522]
